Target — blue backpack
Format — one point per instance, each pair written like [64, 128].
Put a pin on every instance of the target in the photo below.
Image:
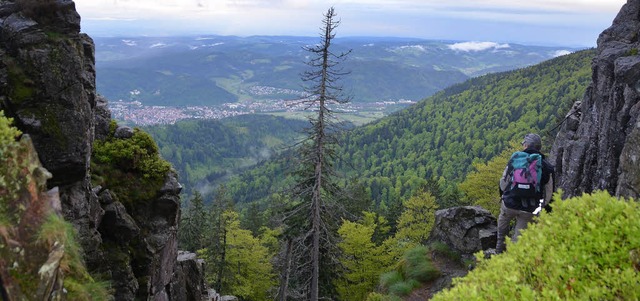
[525, 176]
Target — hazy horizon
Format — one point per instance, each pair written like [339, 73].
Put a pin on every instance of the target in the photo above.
[572, 23]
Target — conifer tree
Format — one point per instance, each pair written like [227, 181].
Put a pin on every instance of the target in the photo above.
[193, 224]
[418, 217]
[312, 221]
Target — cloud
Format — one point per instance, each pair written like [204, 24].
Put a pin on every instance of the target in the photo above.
[130, 42]
[477, 46]
[560, 53]
[158, 45]
[567, 22]
[412, 48]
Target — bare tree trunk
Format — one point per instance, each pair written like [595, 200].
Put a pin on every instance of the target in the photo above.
[315, 252]
[222, 260]
[284, 278]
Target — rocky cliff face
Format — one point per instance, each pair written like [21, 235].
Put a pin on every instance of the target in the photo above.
[598, 148]
[47, 84]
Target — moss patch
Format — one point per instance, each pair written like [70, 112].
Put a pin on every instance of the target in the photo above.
[21, 87]
[131, 168]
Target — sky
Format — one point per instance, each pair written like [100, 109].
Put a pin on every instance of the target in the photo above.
[530, 22]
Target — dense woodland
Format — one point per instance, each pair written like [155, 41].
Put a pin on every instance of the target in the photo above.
[206, 152]
[434, 143]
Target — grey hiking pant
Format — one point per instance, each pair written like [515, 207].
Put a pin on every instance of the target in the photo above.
[506, 216]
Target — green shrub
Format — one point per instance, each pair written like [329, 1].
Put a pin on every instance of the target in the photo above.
[419, 266]
[403, 288]
[132, 167]
[414, 268]
[390, 278]
[586, 249]
[10, 165]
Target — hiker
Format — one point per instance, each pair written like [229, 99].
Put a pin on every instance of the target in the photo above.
[526, 187]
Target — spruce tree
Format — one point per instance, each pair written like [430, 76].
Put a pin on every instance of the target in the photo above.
[313, 220]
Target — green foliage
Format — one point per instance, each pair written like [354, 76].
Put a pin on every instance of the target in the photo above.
[21, 87]
[403, 288]
[583, 250]
[418, 265]
[194, 224]
[443, 249]
[362, 259]
[249, 264]
[390, 278]
[417, 218]
[137, 154]
[480, 187]
[132, 167]
[380, 297]
[77, 281]
[414, 269]
[208, 152]
[236, 261]
[246, 268]
[10, 180]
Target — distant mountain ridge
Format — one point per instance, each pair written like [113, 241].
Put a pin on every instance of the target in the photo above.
[211, 70]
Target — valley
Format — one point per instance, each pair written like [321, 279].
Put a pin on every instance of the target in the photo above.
[160, 80]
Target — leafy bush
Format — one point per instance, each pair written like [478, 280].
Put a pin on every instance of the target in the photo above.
[131, 167]
[480, 186]
[586, 249]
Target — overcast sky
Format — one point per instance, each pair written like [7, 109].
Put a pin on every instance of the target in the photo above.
[533, 22]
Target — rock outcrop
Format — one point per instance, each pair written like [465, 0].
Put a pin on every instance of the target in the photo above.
[47, 85]
[465, 230]
[598, 148]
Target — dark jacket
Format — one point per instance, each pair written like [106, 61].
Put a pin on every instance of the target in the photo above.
[546, 181]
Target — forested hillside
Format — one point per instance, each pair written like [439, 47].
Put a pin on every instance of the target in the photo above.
[433, 143]
[204, 152]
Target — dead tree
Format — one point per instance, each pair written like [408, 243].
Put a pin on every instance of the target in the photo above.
[312, 222]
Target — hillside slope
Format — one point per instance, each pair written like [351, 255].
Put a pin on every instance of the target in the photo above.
[439, 137]
[206, 152]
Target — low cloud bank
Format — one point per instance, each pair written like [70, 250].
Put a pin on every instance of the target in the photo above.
[477, 46]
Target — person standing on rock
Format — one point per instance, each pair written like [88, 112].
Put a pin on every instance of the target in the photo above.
[526, 186]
